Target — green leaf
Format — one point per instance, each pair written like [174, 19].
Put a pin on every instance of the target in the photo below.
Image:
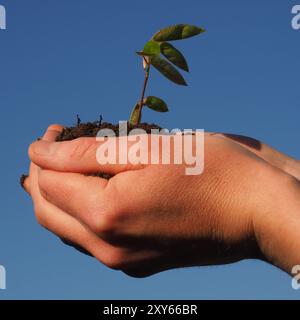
[156, 104]
[177, 32]
[174, 55]
[152, 47]
[135, 116]
[167, 70]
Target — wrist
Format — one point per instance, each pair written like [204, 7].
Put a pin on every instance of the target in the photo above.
[277, 225]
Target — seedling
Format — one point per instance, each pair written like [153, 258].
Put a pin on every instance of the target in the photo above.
[152, 53]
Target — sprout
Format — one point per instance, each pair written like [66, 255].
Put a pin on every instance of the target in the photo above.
[159, 53]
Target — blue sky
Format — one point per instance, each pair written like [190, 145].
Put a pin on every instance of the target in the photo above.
[60, 58]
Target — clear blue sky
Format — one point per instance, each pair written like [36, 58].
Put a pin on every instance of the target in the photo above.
[63, 57]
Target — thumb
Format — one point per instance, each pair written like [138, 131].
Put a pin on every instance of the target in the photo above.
[83, 155]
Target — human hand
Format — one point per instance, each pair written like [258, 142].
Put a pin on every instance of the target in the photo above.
[188, 220]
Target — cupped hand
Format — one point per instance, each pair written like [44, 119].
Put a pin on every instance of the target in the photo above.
[149, 218]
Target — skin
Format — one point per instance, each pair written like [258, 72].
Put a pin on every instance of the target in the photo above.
[150, 218]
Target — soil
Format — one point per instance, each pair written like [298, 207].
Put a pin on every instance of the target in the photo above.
[90, 129]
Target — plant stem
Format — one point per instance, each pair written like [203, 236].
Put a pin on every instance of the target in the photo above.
[147, 71]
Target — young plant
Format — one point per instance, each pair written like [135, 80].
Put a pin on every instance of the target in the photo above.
[152, 54]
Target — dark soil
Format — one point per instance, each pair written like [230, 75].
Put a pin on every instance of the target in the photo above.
[90, 129]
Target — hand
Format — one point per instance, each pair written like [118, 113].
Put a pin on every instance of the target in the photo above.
[150, 218]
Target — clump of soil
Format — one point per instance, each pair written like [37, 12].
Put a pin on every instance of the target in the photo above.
[90, 129]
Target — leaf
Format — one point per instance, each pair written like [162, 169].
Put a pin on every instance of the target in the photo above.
[167, 70]
[156, 104]
[174, 55]
[152, 47]
[177, 32]
[135, 116]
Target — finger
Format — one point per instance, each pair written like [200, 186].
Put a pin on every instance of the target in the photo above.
[49, 135]
[248, 142]
[84, 155]
[71, 230]
[59, 222]
[44, 211]
[80, 196]
[52, 132]
[67, 227]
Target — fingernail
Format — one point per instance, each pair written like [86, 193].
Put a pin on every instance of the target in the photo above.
[42, 148]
